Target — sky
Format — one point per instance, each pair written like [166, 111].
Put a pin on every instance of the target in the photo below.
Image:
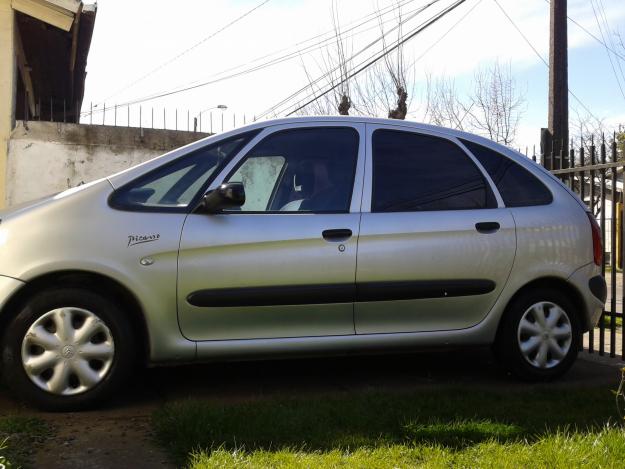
[144, 48]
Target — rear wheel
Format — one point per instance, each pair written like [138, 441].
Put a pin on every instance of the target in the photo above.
[540, 335]
[67, 349]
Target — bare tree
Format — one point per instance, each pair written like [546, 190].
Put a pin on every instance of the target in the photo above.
[586, 131]
[443, 106]
[335, 67]
[493, 107]
[385, 87]
[496, 105]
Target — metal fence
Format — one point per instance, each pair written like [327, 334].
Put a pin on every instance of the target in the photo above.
[202, 119]
[596, 175]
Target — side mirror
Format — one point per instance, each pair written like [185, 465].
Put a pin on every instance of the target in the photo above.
[228, 195]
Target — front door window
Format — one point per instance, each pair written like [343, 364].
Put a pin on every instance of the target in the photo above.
[300, 170]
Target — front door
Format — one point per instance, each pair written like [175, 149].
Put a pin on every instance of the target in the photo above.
[436, 245]
[284, 264]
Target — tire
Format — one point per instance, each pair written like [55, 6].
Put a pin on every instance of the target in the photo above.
[79, 348]
[516, 345]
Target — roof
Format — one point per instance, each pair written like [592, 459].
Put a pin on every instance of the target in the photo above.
[117, 180]
[53, 63]
[380, 121]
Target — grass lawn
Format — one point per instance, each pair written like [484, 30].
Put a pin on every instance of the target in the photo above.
[607, 321]
[18, 435]
[433, 428]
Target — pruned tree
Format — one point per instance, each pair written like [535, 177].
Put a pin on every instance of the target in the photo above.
[335, 66]
[385, 87]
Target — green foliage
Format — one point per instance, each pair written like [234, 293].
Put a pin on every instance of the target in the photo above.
[4, 462]
[564, 450]
[438, 428]
[18, 435]
[620, 143]
[620, 396]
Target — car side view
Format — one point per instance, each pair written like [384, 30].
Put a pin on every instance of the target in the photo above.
[299, 236]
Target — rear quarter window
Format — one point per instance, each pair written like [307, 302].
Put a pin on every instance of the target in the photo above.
[517, 186]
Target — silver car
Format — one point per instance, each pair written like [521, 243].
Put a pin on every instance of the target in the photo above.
[300, 236]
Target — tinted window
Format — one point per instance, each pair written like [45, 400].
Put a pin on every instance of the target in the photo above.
[414, 172]
[300, 170]
[517, 186]
[175, 185]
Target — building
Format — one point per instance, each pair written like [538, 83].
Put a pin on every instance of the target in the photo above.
[44, 45]
[43, 55]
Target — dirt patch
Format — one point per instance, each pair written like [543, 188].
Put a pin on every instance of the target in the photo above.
[93, 440]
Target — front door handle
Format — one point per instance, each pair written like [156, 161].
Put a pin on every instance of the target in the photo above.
[340, 234]
[487, 227]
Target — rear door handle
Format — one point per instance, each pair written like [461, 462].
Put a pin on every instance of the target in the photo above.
[487, 227]
[340, 234]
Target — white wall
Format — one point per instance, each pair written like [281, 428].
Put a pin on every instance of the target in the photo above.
[47, 157]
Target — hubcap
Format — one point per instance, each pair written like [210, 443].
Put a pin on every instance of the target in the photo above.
[67, 351]
[545, 335]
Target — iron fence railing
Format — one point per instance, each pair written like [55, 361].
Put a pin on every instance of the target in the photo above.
[208, 120]
[596, 175]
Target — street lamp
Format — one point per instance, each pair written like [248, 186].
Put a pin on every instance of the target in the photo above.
[223, 107]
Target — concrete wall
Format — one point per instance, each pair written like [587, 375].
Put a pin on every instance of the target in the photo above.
[7, 85]
[49, 157]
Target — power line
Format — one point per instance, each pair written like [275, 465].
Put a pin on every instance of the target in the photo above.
[522, 35]
[434, 44]
[289, 56]
[363, 20]
[543, 59]
[618, 81]
[386, 52]
[332, 71]
[593, 36]
[602, 15]
[189, 49]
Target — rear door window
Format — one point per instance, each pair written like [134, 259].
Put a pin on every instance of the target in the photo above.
[417, 172]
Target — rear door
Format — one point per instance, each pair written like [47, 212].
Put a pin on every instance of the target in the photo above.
[284, 264]
[436, 244]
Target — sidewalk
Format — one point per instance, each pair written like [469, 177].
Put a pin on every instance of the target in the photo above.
[619, 291]
[607, 337]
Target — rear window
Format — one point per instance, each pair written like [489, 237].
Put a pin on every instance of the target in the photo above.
[517, 186]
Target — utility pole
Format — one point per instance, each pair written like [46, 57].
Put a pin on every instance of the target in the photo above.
[556, 140]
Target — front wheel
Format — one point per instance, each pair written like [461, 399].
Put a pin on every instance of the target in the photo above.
[540, 335]
[67, 349]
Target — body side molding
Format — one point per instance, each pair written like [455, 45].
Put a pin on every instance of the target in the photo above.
[338, 293]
